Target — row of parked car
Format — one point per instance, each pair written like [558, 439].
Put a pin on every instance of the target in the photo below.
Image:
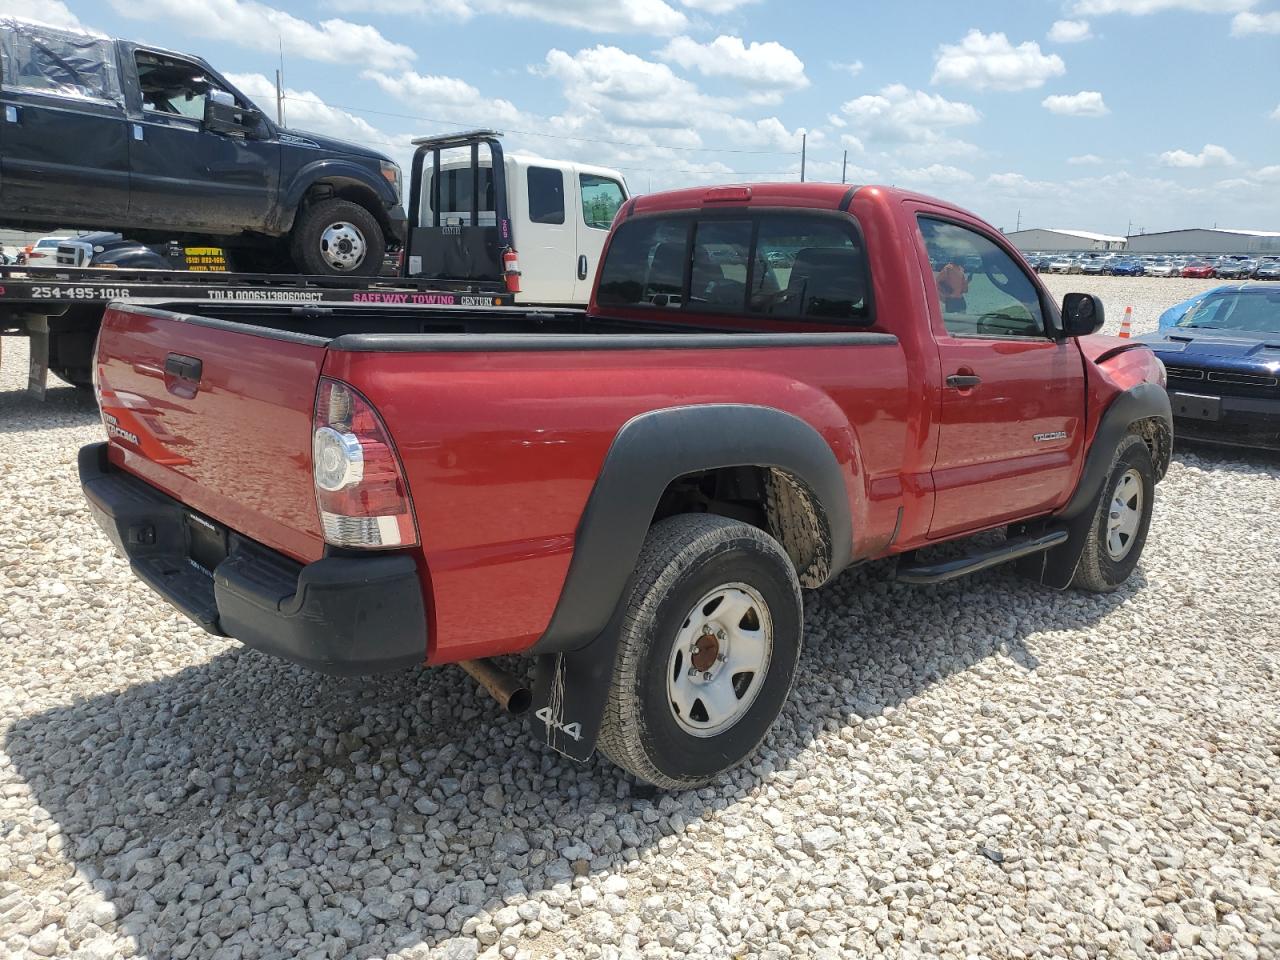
[1126, 265]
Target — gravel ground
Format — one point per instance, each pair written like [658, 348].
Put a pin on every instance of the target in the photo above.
[980, 770]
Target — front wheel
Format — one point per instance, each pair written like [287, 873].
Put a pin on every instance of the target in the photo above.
[1121, 520]
[707, 652]
[337, 238]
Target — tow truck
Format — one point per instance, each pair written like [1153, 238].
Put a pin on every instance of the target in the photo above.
[461, 250]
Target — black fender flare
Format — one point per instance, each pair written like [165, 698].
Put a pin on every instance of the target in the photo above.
[576, 653]
[330, 168]
[1145, 401]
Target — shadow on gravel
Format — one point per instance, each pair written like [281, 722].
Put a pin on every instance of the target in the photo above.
[1216, 456]
[63, 406]
[386, 811]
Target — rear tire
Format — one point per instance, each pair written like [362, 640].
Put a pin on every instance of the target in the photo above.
[337, 238]
[1120, 521]
[707, 652]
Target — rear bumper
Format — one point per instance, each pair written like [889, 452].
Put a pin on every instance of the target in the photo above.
[340, 615]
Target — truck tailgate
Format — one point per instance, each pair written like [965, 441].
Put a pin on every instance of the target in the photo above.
[217, 416]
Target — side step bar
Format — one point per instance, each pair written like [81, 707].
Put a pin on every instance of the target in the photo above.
[961, 566]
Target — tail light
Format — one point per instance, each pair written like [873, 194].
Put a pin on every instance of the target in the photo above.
[360, 486]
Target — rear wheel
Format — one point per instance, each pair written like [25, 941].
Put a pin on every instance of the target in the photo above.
[1120, 521]
[337, 238]
[707, 652]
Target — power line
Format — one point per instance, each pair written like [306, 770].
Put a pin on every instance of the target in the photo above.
[533, 133]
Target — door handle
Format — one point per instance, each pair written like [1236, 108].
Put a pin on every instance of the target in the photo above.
[11, 113]
[582, 267]
[963, 381]
[137, 131]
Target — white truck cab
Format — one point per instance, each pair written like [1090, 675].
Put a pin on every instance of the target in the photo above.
[554, 215]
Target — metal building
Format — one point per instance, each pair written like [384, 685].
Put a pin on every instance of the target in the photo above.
[1056, 240]
[1207, 240]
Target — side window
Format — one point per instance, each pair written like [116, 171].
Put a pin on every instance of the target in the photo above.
[601, 198]
[171, 87]
[808, 267]
[455, 196]
[546, 195]
[981, 290]
[721, 251]
[58, 64]
[645, 264]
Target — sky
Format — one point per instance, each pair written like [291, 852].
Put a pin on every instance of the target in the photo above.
[1115, 116]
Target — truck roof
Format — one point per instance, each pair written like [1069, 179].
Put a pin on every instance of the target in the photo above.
[822, 196]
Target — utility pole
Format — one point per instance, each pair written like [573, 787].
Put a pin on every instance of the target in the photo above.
[1019, 226]
[280, 82]
[844, 167]
[804, 143]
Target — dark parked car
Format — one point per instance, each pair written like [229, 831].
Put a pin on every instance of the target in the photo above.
[119, 136]
[1234, 269]
[1268, 270]
[1128, 268]
[1223, 361]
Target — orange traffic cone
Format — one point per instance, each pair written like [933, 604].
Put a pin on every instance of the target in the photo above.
[1126, 325]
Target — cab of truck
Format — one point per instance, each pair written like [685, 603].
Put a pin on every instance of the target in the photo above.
[554, 215]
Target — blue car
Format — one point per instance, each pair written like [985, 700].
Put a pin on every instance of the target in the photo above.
[1127, 268]
[1222, 354]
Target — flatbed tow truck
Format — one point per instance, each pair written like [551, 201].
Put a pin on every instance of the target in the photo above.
[460, 251]
[60, 309]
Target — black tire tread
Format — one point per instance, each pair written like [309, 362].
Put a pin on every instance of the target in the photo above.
[671, 547]
[306, 256]
[1089, 573]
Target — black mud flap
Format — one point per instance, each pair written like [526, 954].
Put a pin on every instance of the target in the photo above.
[569, 694]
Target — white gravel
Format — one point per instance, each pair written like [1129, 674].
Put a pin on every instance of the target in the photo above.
[981, 770]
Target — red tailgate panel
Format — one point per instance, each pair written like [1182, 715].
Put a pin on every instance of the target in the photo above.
[235, 446]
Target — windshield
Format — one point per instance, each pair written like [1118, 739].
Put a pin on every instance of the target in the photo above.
[1256, 311]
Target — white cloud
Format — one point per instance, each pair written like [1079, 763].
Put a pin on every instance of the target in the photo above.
[990, 62]
[1069, 31]
[853, 143]
[1269, 174]
[447, 98]
[260, 27]
[53, 13]
[1246, 23]
[1275, 114]
[935, 173]
[1086, 103]
[1086, 160]
[306, 110]
[900, 115]
[852, 69]
[1211, 156]
[716, 6]
[767, 66]
[619, 16]
[1141, 8]
[1017, 185]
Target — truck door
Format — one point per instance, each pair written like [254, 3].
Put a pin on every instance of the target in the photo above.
[599, 198]
[187, 175]
[64, 155]
[1011, 429]
[545, 235]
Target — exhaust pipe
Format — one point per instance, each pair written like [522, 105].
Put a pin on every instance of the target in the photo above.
[504, 687]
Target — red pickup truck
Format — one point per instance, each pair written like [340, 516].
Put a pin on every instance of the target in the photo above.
[771, 383]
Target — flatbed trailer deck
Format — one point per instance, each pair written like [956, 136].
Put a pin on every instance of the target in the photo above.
[60, 308]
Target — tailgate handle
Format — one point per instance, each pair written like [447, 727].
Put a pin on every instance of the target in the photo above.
[183, 368]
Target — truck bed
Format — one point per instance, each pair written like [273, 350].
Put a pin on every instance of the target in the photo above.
[501, 417]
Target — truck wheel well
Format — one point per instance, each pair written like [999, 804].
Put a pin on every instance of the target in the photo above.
[352, 190]
[1159, 440]
[774, 500]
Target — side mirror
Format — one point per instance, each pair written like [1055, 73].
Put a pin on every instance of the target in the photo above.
[223, 115]
[1082, 314]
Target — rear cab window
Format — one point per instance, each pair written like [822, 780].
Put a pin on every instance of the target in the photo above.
[34, 59]
[785, 266]
[546, 195]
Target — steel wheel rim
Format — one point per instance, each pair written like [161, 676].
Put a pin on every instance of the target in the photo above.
[719, 659]
[1124, 514]
[342, 246]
